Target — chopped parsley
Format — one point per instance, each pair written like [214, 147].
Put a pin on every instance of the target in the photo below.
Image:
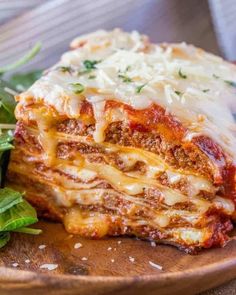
[91, 77]
[90, 64]
[231, 83]
[139, 88]
[183, 76]
[178, 92]
[66, 69]
[128, 68]
[215, 76]
[77, 88]
[125, 78]
[205, 90]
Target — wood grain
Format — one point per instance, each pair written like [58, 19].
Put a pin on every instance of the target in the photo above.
[99, 274]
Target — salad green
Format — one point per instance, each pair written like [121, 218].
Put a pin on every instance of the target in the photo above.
[16, 214]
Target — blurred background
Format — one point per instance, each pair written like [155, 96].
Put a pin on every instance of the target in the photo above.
[208, 24]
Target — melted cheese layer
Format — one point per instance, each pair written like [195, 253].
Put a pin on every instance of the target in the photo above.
[129, 156]
[95, 222]
[195, 86]
[82, 177]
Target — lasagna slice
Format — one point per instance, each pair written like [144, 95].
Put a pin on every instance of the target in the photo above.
[126, 137]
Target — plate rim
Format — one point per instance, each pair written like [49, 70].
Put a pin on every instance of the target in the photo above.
[224, 265]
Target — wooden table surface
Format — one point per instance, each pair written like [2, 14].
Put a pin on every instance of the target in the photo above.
[179, 20]
[111, 265]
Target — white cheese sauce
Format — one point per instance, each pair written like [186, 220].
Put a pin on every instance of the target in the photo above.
[197, 87]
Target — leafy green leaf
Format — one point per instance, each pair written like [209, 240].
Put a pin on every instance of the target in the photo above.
[5, 142]
[6, 146]
[22, 82]
[9, 198]
[20, 215]
[29, 230]
[15, 213]
[26, 58]
[7, 104]
[4, 238]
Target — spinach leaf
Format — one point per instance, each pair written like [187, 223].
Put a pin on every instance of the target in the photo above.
[22, 82]
[5, 142]
[7, 104]
[15, 212]
[5, 146]
[28, 230]
[20, 215]
[9, 198]
[4, 238]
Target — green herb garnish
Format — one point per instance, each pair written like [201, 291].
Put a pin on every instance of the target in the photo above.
[90, 64]
[139, 88]
[65, 69]
[91, 77]
[178, 92]
[183, 76]
[215, 76]
[125, 78]
[128, 68]
[205, 90]
[77, 88]
[231, 83]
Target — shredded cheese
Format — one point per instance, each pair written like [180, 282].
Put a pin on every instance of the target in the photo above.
[155, 265]
[156, 66]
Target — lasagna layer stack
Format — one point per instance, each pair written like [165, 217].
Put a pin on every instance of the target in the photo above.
[123, 136]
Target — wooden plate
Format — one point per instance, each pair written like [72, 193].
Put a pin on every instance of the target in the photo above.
[113, 266]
